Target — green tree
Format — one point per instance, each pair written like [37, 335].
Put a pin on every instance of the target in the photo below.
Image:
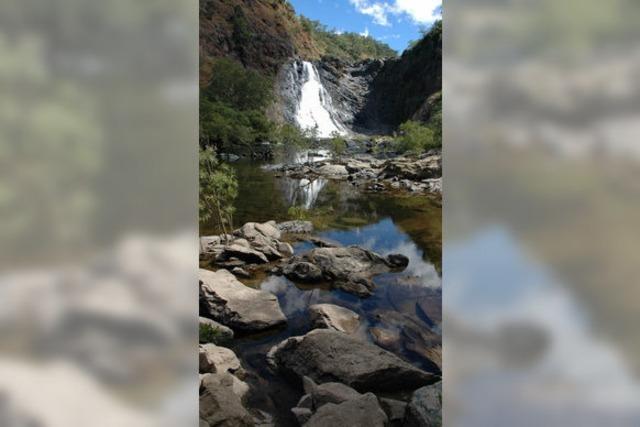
[218, 190]
[415, 137]
[337, 144]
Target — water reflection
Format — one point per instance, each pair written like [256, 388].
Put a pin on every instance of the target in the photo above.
[302, 192]
[519, 346]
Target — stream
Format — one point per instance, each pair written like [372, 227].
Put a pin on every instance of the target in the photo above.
[406, 301]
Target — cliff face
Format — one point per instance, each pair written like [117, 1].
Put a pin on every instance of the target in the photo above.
[401, 89]
[261, 34]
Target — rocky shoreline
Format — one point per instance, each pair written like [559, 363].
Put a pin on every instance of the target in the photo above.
[415, 174]
[346, 379]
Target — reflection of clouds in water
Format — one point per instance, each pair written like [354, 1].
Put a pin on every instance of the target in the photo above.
[417, 267]
[491, 287]
[385, 238]
[292, 300]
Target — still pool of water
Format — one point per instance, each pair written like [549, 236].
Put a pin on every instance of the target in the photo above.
[407, 303]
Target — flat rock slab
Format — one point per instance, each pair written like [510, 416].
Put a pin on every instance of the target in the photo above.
[235, 305]
[330, 356]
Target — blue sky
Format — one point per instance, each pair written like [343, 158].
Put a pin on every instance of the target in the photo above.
[395, 22]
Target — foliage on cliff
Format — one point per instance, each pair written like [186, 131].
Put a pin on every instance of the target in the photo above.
[346, 46]
[264, 34]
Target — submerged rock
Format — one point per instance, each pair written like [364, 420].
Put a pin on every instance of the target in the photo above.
[334, 317]
[235, 305]
[350, 269]
[331, 356]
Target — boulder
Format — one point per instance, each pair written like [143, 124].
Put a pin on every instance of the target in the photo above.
[331, 316]
[285, 249]
[240, 272]
[231, 303]
[397, 261]
[295, 227]
[242, 253]
[213, 358]
[330, 356]
[425, 407]
[362, 411]
[225, 333]
[425, 167]
[395, 410]
[348, 268]
[221, 401]
[333, 171]
[322, 394]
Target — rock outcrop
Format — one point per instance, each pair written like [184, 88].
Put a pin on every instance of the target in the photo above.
[253, 243]
[235, 305]
[347, 268]
[330, 356]
[417, 174]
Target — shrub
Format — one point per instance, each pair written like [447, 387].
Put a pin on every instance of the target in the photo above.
[298, 212]
[210, 334]
[415, 138]
[338, 144]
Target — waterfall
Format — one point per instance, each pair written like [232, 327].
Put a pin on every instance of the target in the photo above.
[315, 109]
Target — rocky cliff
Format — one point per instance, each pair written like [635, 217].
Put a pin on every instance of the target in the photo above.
[401, 90]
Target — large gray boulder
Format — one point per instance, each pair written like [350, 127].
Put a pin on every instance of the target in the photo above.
[363, 411]
[350, 269]
[233, 304]
[329, 316]
[330, 356]
[221, 401]
[425, 407]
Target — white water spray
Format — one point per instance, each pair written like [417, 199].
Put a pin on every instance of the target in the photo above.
[315, 107]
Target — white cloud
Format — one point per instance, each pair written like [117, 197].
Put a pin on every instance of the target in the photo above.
[365, 32]
[377, 10]
[420, 11]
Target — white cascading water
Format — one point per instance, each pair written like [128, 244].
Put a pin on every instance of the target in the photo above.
[315, 107]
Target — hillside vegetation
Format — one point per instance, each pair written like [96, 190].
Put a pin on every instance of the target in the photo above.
[346, 46]
[264, 34]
